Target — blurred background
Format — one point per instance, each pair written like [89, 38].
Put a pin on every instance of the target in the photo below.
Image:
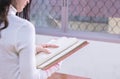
[85, 19]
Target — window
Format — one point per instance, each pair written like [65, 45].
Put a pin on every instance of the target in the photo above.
[87, 19]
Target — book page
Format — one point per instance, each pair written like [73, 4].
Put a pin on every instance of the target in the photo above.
[63, 44]
[61, 54]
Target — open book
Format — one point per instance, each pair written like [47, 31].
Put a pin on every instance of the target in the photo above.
[67, 46]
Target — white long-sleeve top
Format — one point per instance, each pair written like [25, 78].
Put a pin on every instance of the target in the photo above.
[17, 50]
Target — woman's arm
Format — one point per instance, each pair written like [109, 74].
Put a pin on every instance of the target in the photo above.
[25, 46]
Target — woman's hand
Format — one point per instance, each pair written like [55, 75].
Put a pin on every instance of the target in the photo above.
[43, 48]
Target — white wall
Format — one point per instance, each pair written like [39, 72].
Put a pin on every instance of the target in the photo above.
[98, 60]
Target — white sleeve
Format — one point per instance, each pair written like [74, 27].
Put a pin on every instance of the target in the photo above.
[25, 46]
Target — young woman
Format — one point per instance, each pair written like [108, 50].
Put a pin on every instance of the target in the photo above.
[17, 43]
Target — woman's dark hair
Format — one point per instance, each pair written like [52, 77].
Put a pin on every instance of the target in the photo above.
[4, 8]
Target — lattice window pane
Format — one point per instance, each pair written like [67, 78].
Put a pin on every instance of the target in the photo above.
[94, 15]
[46, 13]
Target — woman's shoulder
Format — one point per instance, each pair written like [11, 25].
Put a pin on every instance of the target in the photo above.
[20, 22]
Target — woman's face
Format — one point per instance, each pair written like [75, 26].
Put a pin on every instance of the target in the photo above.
[20, 4]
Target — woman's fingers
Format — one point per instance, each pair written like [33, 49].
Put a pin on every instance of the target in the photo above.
[45, 50]
[50, 46]
[40, 49]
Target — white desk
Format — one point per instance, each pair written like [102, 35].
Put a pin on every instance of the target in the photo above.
[98, 60]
